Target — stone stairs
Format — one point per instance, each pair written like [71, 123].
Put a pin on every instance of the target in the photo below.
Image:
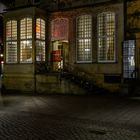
[82, 82]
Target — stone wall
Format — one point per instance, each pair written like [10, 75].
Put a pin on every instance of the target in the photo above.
[133, 18]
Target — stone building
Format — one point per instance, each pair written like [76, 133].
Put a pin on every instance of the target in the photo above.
[90, 39]
[133, 30]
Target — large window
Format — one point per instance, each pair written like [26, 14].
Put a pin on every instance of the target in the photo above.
[129, 69]
[40, 40]
[84, 37]
[26, 40]
[11, 41]
[106, 37]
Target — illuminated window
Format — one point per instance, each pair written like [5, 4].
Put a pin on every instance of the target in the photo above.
[40, 40]
[26, 51]
[26, 40]
[106, 37]
[84, 35]
[129, 59]
[11, 41]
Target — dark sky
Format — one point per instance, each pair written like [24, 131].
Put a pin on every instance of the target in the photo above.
[7, 1]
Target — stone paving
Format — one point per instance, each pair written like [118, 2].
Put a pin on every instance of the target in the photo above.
[60, 117]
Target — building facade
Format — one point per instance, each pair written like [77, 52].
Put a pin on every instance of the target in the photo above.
[85, 38]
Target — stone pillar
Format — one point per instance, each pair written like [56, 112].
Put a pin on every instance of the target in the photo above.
[138, 54]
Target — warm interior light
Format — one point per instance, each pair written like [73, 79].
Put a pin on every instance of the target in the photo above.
[37, 28]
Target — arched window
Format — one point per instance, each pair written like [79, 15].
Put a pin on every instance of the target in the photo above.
[84, 38]
[11, 41]
[106, 37]
[26, 40]
[59, 29]
[40, 39]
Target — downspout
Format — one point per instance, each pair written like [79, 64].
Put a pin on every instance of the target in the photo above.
[125, 18]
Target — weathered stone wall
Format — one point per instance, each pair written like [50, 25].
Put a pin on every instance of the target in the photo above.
[137, 55]
[133, 18]
[52, 84]
[19, 77]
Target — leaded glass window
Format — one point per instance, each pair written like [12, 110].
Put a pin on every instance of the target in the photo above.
[11, 41]
[106, 37]
[26, 40]
[26, 28]
[129, 68]
[26, 51]
[84, 37]
[40, 40]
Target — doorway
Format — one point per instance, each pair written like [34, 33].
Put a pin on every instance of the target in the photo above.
[59, 55]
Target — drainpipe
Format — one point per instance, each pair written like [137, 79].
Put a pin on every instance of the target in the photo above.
[125, 18]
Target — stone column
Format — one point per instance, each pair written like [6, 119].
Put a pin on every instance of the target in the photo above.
[137, 56]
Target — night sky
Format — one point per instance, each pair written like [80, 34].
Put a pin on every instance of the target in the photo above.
[7, 1]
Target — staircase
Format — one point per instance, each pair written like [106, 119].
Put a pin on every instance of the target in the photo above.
[87, 84]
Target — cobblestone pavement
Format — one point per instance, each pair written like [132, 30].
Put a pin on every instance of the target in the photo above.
[62, 117]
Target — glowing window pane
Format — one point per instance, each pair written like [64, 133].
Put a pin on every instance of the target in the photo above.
[106, 37]
[11, 30]
[129, 69]
[40, 40]
[11, 41]
[26, 40]
[11, 52]
[84, 34]
[40, 28]
[26, 51]
[26, 28]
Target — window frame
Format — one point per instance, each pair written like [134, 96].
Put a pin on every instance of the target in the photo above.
[83, 38]
[105, 36]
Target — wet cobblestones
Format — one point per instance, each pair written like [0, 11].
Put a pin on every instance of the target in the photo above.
[51, 118]
[22, 126]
